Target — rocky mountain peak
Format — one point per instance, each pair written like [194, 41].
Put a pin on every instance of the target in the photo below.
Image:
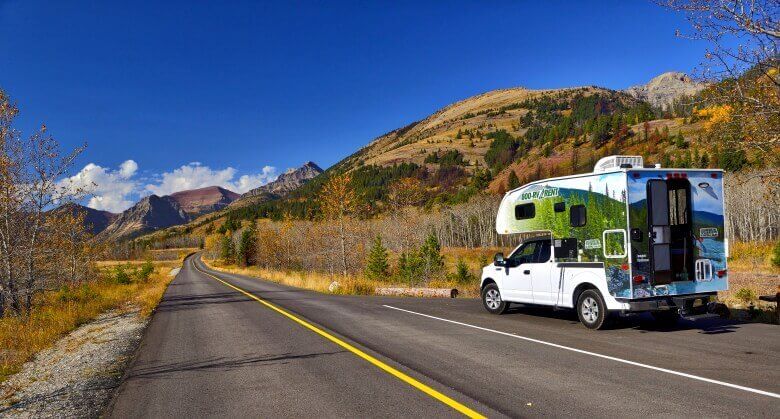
[150, 213]
[204, 200]
[663, 89]
[287, 182]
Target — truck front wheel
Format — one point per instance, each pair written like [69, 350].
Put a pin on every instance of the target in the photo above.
[491, 299]
[591, 309]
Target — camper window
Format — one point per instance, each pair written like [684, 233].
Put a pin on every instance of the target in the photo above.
[577, 216]
[525, 211]
[559, 207]
[614, 243]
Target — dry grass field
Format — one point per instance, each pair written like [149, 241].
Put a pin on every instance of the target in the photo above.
[57, 312]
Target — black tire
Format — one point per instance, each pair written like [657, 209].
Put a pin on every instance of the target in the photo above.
[492, 301]
[666, 317]
[591, 310]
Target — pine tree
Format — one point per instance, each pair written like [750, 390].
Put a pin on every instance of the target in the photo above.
[513, 182]
[247, 247]
[376, 264]
[228, 250]
[462, 273]
[430, 253]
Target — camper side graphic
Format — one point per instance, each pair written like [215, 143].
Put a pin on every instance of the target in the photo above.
[623, 238]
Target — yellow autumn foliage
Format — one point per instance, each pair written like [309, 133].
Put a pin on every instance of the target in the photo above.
[715, 114]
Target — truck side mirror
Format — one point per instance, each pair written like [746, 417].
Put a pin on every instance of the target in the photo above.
[499, 260]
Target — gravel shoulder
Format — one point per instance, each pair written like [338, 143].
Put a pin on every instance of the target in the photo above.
[78, 375]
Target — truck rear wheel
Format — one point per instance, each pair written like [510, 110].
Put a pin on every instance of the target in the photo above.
[491, 299]
[591, 309]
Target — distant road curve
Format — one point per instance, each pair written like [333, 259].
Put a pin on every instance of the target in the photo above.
[228, 345]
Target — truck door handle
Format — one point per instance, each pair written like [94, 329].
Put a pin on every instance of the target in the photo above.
[527, 272]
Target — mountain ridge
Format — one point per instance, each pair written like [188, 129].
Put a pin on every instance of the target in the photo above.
[196, 202]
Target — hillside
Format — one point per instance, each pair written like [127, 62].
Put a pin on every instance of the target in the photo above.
[201, 201]
[501, 139]
[95, 221]
[150, 213]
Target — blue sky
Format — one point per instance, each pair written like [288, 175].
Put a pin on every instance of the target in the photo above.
[251, 88]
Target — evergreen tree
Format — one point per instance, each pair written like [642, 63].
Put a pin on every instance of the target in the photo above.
[376, 264]
[430, 254]
[462, 273]
[247, 247]
[228, 250]
[513, 182]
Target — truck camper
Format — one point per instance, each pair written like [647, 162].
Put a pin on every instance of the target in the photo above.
[625, 238]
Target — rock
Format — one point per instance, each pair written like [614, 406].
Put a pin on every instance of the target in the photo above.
[417, 292]
[662, 90]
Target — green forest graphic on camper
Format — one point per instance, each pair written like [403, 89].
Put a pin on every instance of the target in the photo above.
[592, 210]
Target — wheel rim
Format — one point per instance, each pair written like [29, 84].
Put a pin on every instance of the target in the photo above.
[492, 299]
[590, 309]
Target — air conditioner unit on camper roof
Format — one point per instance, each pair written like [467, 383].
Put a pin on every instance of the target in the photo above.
[608, 163]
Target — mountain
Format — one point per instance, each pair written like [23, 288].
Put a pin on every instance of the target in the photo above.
[662, 90]
[287, 182]
[94, 220]
[196, 202]
[150, 213]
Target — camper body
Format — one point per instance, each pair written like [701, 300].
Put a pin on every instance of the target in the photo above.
[624, 238]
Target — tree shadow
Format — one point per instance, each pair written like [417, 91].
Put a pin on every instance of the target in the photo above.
[189, 302]
[221, 364]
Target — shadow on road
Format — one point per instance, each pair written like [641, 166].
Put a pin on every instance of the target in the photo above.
[642, 322]
[221, 364]
[189, 302]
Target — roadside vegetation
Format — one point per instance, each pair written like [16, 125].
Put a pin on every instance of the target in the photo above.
[56, 312]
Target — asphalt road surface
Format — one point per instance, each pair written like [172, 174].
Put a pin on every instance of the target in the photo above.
[220, 348]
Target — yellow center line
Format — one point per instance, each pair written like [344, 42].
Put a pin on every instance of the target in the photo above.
[379, 364]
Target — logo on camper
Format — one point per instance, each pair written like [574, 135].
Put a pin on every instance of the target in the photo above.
[540, 194]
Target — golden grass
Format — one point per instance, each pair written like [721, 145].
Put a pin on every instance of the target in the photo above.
[752, 257]
[315, 281]
[359, 285]
[56, 313]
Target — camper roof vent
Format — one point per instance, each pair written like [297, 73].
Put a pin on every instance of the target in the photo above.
[615, 162]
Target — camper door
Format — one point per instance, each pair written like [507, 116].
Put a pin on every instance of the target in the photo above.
[660, 233]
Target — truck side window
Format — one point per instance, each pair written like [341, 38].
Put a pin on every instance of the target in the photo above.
[524, 254]
[577, 216]
[525, 211]
[542, 254]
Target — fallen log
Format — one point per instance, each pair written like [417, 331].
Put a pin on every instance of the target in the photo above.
[417, 292]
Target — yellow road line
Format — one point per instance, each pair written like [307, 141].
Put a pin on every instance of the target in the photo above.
[379, 364]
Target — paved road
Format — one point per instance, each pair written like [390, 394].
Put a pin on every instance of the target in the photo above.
[211, 350]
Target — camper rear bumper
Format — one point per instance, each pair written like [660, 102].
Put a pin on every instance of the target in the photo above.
[687, 305]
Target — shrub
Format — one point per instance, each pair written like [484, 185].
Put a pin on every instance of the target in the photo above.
[462, 272]
[776, 255]
[746, 295]
[147, 269]
[120, 275]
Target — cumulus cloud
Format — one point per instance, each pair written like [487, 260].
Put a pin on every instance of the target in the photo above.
[194, 176]
[110, 190]
[118, 189]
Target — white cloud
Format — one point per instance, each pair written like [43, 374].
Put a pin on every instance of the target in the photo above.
[118, 189]
[110, 190]
[127, 169]
[194, 176]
